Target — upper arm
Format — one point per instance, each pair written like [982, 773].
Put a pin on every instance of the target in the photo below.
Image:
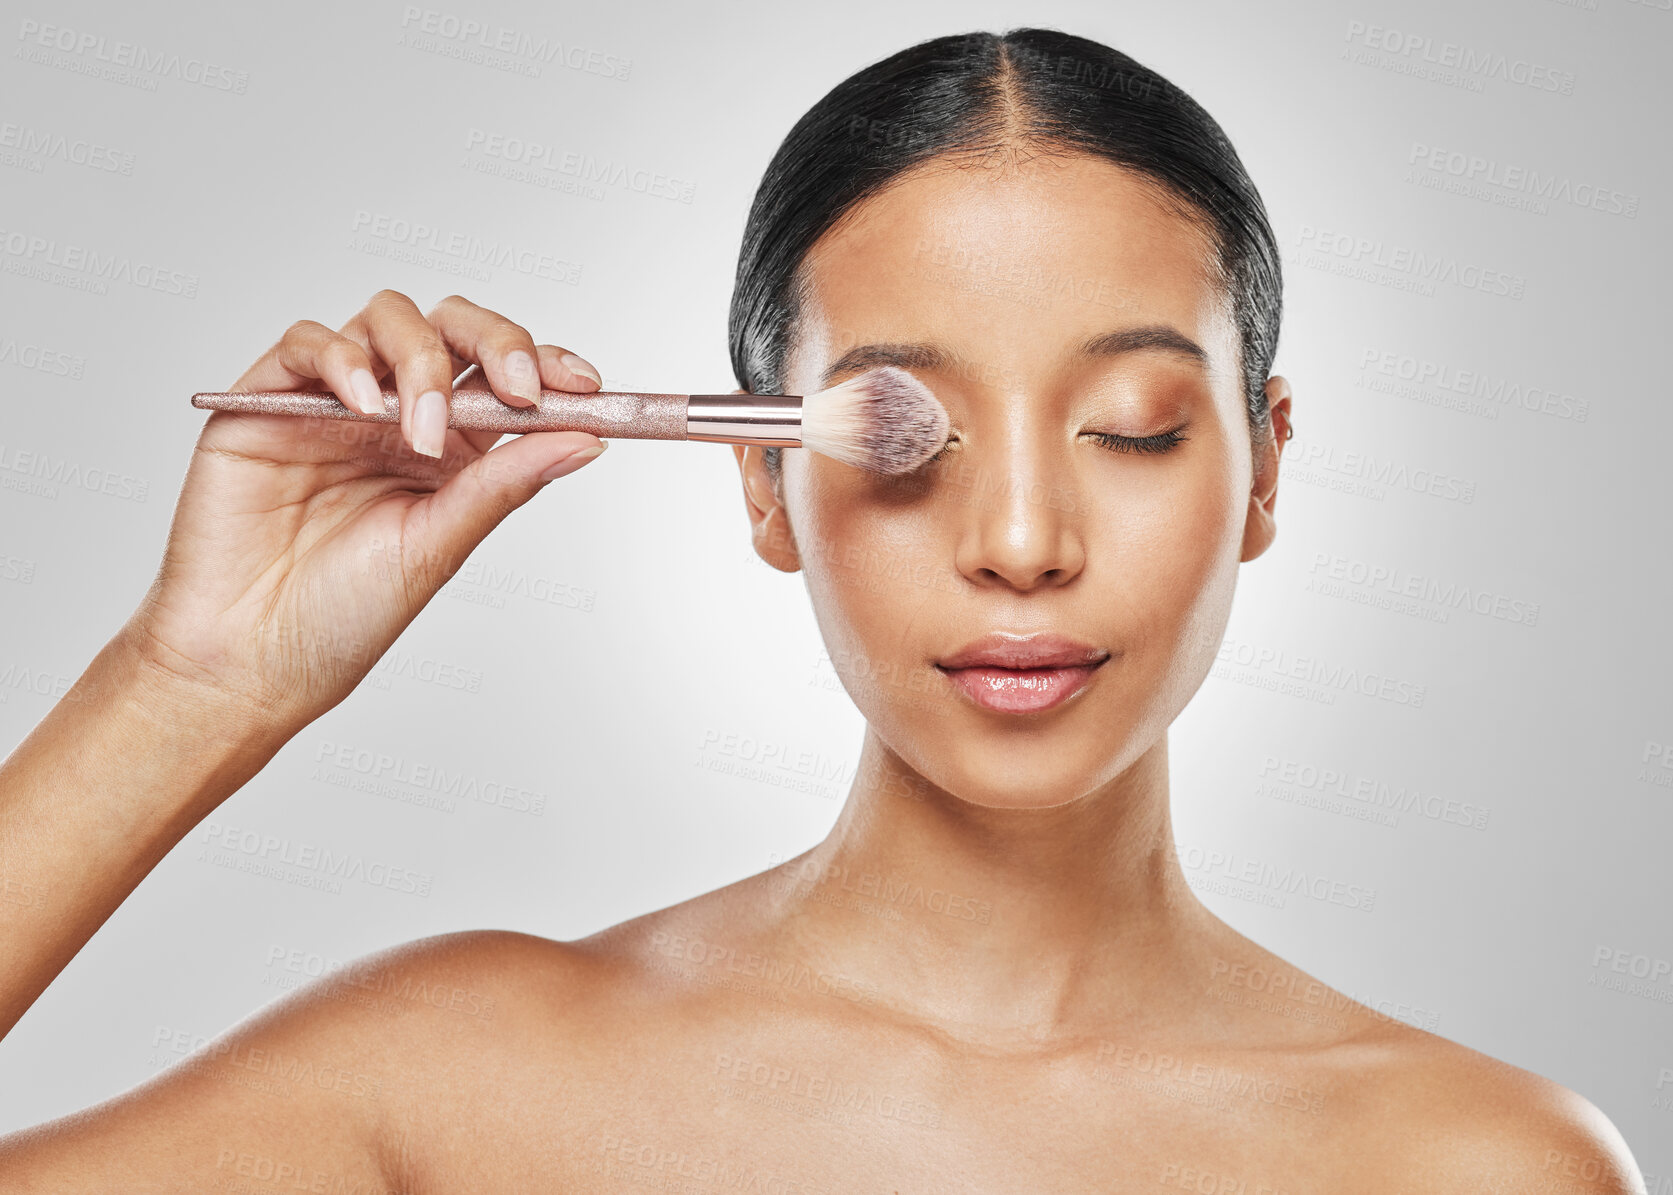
[316, 1091]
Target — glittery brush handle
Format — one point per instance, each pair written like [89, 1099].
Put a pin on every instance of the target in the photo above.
[771, 419]
[603, 413]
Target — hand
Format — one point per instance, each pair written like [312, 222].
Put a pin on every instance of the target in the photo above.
[301, 548]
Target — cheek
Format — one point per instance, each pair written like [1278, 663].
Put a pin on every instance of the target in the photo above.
[1162, 554]
[869, 564]
[1203, 579]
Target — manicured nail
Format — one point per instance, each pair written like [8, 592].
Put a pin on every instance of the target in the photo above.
[573, 462]
[580, 365]
[366, 392]
[521, 376]
[429, 423]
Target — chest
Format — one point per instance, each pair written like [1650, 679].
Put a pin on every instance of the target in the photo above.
[804, 1115]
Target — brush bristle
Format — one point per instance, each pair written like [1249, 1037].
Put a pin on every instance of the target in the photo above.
[884, 420]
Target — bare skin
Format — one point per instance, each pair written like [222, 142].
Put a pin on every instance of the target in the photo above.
[991, 975]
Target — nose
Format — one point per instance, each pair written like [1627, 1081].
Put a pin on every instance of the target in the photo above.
[1022, 527]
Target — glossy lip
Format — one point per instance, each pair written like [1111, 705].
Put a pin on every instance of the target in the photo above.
[1002, 649]
[1022, 674]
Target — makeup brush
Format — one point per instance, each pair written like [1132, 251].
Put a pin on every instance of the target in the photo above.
[884, 419]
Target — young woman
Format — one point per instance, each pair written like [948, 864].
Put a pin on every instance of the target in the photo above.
[991, 975]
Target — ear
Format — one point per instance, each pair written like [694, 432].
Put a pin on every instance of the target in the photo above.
[1261, 527]
[769, 521]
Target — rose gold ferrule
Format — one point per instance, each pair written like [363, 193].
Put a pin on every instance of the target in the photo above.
[774, 420]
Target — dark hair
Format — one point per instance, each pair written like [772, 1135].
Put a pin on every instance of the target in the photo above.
[973, 93]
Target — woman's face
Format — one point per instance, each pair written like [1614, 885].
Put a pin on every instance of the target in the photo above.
[1007, 290]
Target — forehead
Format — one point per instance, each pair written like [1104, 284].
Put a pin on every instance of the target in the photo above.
[1010, 263]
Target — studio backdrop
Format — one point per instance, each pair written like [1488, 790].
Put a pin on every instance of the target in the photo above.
[1433, 764]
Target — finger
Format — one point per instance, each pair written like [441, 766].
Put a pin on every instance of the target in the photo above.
[422, 363]
[310, 352]
[448, 525]
[359, 329]
[563, 370]
[470, 378]
[356, 331]
[503, 349]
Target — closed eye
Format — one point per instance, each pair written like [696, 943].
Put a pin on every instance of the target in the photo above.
[940, 454]
[1161, 442]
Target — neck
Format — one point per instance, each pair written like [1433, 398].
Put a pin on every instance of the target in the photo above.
[991, 924]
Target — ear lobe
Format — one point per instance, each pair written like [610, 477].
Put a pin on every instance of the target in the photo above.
[1260, 528]
[769, 521]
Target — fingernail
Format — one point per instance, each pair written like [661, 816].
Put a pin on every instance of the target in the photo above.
[573, 462]
[521, 376]
[580, 365]
[366, 392]
[429, 423]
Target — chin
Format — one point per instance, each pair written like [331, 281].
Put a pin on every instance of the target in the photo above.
[1018, 799]
[1002, 769]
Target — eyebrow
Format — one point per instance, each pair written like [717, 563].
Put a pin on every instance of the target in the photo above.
[1163, 337]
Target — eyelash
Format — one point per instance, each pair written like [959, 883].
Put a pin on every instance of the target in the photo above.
[1161, 442]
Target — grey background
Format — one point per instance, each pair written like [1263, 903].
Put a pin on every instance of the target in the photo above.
[607, 644]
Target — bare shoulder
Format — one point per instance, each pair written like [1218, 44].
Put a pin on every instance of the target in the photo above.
[473, 973]
[315, 1084]
[1440, 1117]
[1411, 1111]
[505, 977]
[464, 997]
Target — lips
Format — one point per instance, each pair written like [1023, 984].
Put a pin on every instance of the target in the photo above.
[1017, 674]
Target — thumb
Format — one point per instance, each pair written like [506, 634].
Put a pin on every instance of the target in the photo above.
[476, 499]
